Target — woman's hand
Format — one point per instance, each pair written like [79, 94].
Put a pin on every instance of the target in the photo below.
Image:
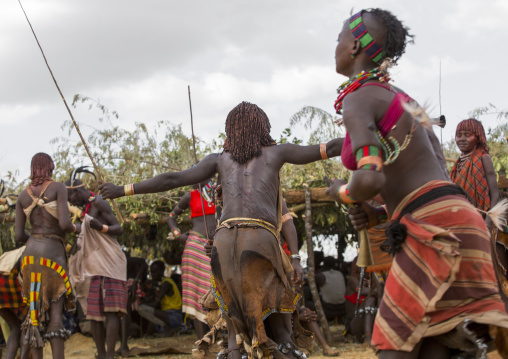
[95, 224]
[297, 273]
[307, 315]
[111, 191]
[208, 247]
[363, 215]
[333, 190]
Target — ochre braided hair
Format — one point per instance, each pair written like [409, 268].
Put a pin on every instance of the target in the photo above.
[475, 127]
[41, 168]
[247, 130]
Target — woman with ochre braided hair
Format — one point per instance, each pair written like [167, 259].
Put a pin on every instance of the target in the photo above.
[195, 263]
[474, 170]
[46, 289]
[441, 291]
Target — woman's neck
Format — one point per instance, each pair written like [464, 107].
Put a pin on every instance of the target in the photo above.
[359, 68]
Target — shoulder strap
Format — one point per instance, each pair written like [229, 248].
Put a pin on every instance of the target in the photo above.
[31, 193]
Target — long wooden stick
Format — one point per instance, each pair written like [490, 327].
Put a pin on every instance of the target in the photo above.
[311, 267]
[70, 113]
[196, 160]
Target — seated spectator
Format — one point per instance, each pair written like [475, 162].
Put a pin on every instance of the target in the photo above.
[163, 306]
[333, 287]
[308, 319]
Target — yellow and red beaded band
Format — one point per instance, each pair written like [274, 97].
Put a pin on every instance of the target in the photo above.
[104, 229]
[344, 194]
[382, 214]
[369, 158]
[129, 189]
[172, 214]
[286, 217]
[322, 150]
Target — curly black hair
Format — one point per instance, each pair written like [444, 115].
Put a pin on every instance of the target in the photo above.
[397, 35]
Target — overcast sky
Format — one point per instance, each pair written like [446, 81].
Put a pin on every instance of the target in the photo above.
[138, 57]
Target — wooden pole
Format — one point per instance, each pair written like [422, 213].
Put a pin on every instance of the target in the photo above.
[196, 162]
[311, 267]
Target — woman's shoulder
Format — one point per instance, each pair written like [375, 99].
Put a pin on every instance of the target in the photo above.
[57, 185]
[368, 97]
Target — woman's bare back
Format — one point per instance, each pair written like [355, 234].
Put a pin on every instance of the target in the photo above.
[250, 190]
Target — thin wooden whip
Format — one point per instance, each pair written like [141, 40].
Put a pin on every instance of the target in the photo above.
[196, 160]
[70, 113]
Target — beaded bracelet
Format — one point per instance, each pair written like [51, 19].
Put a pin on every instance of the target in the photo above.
[344, 194]
[322, 150]
[382, 214]
[369, 158]
[129, 189]
[176, 232]
[104, 229]
[286, 217]
[295, 256]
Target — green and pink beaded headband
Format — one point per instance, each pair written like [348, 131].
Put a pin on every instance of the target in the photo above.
[371, 47]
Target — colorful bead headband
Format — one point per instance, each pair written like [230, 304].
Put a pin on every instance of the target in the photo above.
[371, 47]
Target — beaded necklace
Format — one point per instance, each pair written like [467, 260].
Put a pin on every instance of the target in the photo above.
[355, 82]
[90, 200]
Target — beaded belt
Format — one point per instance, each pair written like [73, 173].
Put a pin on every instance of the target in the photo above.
[248, 222]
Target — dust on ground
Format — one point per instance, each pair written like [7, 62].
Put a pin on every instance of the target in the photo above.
[83, 347]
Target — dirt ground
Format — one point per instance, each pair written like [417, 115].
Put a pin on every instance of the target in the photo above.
[82, 347]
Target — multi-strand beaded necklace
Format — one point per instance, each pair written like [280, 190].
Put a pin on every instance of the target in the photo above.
[352, 85]
[355, 82]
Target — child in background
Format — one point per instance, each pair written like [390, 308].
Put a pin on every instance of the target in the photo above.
[163, 306]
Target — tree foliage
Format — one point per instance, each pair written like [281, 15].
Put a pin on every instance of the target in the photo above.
[125, 156]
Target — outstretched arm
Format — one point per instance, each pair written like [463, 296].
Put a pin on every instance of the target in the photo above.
[300, 155]
[205, 169]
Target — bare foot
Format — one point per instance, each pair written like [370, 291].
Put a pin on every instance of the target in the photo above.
[123, 352]
[330, 352]
[202, 354]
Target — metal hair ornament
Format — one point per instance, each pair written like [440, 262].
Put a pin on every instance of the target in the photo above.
[371, 47]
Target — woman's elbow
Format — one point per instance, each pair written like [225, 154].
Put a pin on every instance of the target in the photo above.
[367, 185]
[66, 226]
